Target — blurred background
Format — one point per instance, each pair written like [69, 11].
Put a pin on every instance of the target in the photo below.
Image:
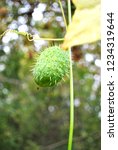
[34, 118]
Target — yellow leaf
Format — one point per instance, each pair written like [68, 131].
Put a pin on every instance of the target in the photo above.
[81, 4]
[84, 28]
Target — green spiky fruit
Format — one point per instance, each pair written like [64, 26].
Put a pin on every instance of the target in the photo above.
[51, 66]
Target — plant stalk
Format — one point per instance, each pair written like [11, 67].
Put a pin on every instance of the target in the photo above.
[29, 36]
[64, 18]
[70, 140]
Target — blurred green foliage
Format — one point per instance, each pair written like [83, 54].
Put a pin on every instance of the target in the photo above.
[34, 118]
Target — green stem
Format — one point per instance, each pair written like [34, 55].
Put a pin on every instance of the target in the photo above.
[62, 10]
[29, 36]
[70, 140]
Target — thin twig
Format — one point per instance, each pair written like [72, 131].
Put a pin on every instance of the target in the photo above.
[30, 37]
[62, 10]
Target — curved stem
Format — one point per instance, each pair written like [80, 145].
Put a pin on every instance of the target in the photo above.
[1, 35]
[30, 37]
[70, 140]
